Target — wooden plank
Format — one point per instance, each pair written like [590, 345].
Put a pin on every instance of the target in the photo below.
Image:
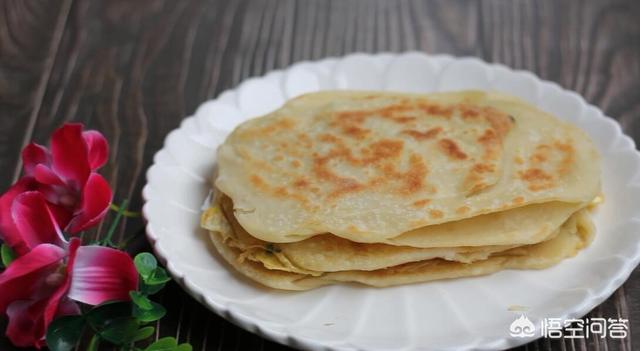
[30, 34]
[29, 38]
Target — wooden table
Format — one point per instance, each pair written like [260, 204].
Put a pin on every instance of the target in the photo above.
[134, 68]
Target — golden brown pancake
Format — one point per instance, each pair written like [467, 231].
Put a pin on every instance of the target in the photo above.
[372, 166]
[573, 236]
[386, 188]
[328, 253]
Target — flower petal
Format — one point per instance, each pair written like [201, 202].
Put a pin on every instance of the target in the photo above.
[60, 293]
[8, 231]
[35, 222]
[96, 198]
[28, 322]
[98, 148]
[68, 307]
[22, 278]
[45, 175]
[62, 214]
[101, 274]
[69, 151]
[33, 155]
[26, 327]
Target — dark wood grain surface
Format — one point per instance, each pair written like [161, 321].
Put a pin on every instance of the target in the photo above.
[134, 69]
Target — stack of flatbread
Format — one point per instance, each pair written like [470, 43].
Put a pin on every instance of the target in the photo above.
[387, 188]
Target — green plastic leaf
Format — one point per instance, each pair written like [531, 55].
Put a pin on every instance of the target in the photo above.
[120, 331]
[184, 347]
[156, 312]
[159, 276]
[168, 344]
[144, 333]
[100, 315]
[165, 344]
[64, 332]
[145, 264]
[146, 289]
[150, 289]
[6, 255]
[140, 300]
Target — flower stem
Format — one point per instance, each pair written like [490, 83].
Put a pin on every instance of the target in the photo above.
[93, 344]
[126, 213]
[123, 245]
[114, 224]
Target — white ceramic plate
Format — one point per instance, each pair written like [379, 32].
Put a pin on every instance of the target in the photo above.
[470, 313]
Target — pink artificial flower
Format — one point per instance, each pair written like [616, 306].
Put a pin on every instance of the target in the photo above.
[77, 196]
[44, 282]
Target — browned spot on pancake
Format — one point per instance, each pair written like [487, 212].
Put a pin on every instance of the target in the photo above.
[328, 138]
[295, 164]
[355, 132]
[304, 140]
[436, 109]
[323, 172]
[278, 158]
[301, 183]
[414, 176]
[477, 187]
[491, 143]
[488, 137]
[281, 191]
[518, 160]
[499, 121]
[462, 210]
[535, 175]
[568, 157]
[345, 186]
[258, 182]
[348, 118]
[350, 122]
[421, 203]
[283, 147]
[548, 163]
[518, 200]
[537, 157]
[391, 111]
[499, 125]
[383, 149]
[403, 119]
[475, 179]
[491, 140]
[451, 149]
[426, 135]
[281, 124]
[537, 179]
[481, 168]
[541, 154]
[436, 214]
[540, 186]
[469, 111]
